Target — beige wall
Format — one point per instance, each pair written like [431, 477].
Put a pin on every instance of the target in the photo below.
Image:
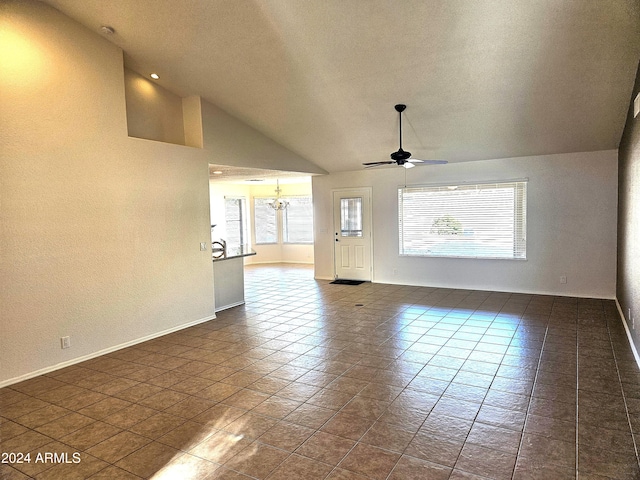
[99, 232]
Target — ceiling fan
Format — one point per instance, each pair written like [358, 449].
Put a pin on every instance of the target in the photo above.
[402, 157]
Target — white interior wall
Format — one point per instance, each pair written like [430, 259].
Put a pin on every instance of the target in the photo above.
[100, 232]
[571, 225]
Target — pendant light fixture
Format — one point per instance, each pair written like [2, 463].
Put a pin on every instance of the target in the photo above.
[278, 203]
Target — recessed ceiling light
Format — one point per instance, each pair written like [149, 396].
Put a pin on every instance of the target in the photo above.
[106, 30]
[154, 76]
[217, 172]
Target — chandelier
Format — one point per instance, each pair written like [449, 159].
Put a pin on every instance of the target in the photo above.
[278, 203]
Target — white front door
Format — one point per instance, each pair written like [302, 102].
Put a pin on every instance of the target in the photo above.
[352, 228]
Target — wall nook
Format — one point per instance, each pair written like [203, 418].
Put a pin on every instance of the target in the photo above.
[155, 113]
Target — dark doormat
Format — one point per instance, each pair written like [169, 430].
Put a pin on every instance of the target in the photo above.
[340, 281]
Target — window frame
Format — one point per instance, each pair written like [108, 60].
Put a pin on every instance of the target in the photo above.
[283, 226]
[519, 242]
[255, 227]
[245, 232]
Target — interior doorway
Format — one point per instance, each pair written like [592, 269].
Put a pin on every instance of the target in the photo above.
[241, 206]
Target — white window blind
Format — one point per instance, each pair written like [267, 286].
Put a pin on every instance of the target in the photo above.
[266, 222]
[235, 221]
[477, 221]
[297, 220]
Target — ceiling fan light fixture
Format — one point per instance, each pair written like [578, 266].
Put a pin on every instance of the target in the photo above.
[408, 165]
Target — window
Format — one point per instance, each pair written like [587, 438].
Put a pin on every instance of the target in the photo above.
[297, 220]
[266, 221]
[474, 221]
[235, 221]
[351, 217]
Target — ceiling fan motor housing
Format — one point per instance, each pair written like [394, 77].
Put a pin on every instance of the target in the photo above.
[400, 156]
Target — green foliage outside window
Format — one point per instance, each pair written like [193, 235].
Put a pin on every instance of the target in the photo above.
[446, 225]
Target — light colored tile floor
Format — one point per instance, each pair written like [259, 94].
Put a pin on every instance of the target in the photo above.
[312, 380]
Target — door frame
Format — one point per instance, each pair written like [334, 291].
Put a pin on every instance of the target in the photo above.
[369, 216]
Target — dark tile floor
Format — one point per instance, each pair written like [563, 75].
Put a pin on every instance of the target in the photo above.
[311, 381]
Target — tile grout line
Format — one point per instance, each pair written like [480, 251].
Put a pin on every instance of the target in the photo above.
[403, 389]
[624, 397]
[481, 403]
[535, 379]
[520, 323]
[577, 424]
[439, 398]
[356, 442]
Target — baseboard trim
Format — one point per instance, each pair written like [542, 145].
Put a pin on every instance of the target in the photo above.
[279, 261]
[494, 289]
[629, 337]
[226, 307]
[68, 363]
[322, 277]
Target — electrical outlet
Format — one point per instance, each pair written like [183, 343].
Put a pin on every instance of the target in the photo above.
[203, 246]
[563, 279]
[65, 342]
[395, 272]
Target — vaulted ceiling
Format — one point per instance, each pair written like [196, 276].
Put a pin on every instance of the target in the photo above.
[481, 78]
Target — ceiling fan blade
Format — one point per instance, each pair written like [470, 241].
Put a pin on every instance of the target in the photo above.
[428, 162]
[375, 164]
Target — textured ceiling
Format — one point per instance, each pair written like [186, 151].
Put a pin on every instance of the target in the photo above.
[481, 78]
[232, 174]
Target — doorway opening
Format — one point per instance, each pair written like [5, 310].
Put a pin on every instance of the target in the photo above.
[242, 211]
